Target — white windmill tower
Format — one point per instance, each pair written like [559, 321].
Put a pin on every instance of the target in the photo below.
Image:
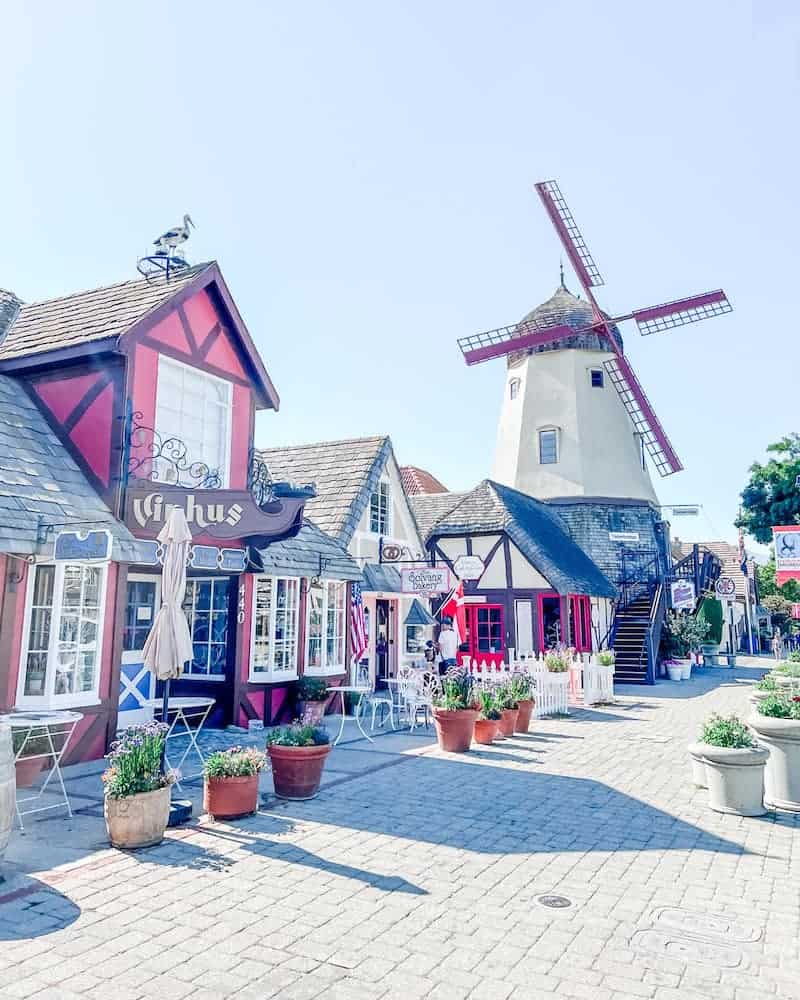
[575, 421]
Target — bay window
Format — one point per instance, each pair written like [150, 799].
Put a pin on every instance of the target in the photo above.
[325, 627]
[60, 664]
[273, 651]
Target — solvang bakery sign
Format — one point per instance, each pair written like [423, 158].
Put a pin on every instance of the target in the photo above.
[223, 514]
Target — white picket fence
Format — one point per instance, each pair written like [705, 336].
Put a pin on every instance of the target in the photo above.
[585, 681]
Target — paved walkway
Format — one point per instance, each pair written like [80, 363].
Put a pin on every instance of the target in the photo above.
[419, 875]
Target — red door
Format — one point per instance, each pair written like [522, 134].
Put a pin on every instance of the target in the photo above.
[487, 635]
[580, 623]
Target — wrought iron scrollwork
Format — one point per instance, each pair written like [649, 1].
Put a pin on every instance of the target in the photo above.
[259, 480]
[155, 458]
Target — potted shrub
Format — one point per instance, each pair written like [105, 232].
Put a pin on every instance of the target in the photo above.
[488, 722]
[776, 721]
[683, 634]
[523, 692]
[297, 754]
[230, 786]
[455, 712]
[312, 699]
[766, 686]
[509, 709]
[734, 766]
[136, 788]
[37, 752]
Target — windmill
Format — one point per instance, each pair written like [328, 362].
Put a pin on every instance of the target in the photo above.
[534, 332]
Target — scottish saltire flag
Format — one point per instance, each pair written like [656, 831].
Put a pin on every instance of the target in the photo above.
[358, 625]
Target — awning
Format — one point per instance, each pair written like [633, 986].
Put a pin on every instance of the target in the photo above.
[418, 614]
[379, 579]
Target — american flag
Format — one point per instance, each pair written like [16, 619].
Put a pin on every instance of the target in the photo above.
[358, 625]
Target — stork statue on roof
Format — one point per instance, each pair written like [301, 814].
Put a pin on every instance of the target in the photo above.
[575, 420]
[167, 242]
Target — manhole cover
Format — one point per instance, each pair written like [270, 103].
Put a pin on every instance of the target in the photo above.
[555, 902]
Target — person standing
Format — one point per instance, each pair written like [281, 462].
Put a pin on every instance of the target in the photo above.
[448, 644]
[777, 645]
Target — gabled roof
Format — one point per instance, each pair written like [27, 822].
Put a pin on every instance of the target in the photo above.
[537, 531]
[344, 472]
[300, 556]
[41, 483]
[431, 507]
[417, 480]
[728, 555]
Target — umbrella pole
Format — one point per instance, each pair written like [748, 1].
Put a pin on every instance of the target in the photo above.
[164, 713]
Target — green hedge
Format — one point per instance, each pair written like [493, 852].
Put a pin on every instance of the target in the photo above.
[710, 611]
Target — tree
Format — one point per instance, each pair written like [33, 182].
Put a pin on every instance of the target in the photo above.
[771, 497]
[710, 612]
[781, 611]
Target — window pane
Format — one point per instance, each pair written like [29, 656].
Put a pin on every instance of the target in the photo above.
[548, 447]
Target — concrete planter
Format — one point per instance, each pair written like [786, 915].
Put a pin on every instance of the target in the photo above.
[735, 779]
[137, 820]
[8, 787]
[782, 777]
[686, 669]
[674, 670]
[698, 765]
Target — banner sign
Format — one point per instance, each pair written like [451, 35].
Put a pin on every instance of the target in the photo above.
[425, 581]
[787, 553]
[86, 546]
[682, 595]
[725, 589]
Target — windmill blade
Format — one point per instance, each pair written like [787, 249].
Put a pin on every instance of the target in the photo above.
[657, 319]
[643, 415]
[569, 234]
[496, 343]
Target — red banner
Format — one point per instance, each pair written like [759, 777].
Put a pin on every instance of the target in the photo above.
[787, 553]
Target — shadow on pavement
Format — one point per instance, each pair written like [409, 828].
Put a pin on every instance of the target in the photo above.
[33, 911]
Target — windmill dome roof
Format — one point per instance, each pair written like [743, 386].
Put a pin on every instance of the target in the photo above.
[564, 309]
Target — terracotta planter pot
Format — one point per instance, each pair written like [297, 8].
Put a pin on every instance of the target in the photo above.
[524, 718]
[782, 776]
[312, 711]
[454, 729]
[297, 771]
[139, 820]
[735, 779]
[485, 730]
[508, 721]
[28, 770]
[230, 798]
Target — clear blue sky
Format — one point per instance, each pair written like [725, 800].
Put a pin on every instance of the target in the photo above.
[363, 174]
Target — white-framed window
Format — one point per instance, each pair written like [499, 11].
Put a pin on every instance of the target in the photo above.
[326, 616]
[596, 378]
[63, 635]
[548, 446]
[195, 408]
[273, 648]
[379, 521]
[206, 609]
[513, 388]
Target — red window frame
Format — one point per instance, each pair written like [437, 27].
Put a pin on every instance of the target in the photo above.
[475, 628]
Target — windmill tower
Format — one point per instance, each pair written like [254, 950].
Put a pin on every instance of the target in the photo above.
[575, 420]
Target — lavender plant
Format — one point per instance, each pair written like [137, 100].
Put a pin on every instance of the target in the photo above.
[135, 762]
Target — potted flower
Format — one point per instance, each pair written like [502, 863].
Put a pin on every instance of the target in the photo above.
[455, 712]
[556, 662]
[523, 692]
[766, 686]
[36, 751]
[312, 699]
[488, 722]
[509, 709]
[734, 766]
[606, 658]
[776, 721]
[136, 788]
[297, 754]
[683, 634]
[230, 785]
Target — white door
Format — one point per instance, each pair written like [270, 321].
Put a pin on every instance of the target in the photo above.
[136, 683]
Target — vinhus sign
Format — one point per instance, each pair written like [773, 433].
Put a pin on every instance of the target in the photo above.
[222, 514]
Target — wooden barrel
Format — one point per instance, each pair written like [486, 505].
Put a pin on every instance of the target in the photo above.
[8, 787]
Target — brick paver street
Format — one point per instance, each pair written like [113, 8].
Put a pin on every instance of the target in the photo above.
[417, 875]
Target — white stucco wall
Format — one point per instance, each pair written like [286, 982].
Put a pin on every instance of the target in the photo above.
[599, 452]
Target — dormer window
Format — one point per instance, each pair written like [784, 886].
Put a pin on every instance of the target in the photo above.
[548, 446]
[194, 408]
[596, 378]
[379, 509]
[513, 388]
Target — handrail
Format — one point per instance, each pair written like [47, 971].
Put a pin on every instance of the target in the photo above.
[653, 633]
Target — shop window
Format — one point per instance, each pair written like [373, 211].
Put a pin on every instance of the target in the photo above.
[60, 663]
[513, 388]
[548, 446]
[206, 609]
[325, 628]
[596, 378]
[273, 654]
[416, 637]
[194, 408]
[379, 510]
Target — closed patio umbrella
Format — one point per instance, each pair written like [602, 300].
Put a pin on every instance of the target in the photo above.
[169, 645]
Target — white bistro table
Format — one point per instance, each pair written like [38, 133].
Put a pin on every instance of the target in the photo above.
[44, 736]
[361, 692]
[180, 713]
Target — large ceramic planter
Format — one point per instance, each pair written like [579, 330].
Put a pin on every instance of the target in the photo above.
[698, 764]
[524, 718]
[7, 787]
[485, 730]
[782, 776]
[454, 729]
[735, 779]
[686, 669]
[230, 798]
[137, 820]
[674, 670]
[312, 711]
[28, 770]
[508, 720]
[297, 771]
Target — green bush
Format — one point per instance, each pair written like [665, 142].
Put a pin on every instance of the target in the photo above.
[767, 683]
[312, 689]
[488, 705]
[794, 656]
[504, 697]
[710, 613]
[298, 734]
[557, 663]
[606, 658]
[683, 633]
[780, 706]
[726, 732]
[236, 762]
[521, 686]
[135, 762]
[456, 694]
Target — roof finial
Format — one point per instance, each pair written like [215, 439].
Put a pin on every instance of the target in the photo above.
[561, 271]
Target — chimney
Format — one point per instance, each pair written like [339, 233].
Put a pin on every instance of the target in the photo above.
[9, 309]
